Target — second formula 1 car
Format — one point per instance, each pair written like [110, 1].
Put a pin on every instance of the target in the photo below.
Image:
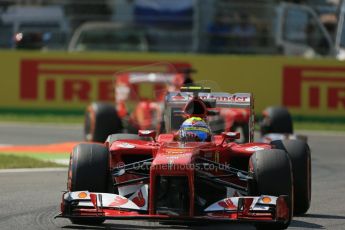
[139, 104]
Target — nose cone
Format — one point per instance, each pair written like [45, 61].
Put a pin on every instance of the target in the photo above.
[173, 158]
[172, 171]
[176, 157]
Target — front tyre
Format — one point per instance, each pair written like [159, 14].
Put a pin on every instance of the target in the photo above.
[272, 175]
[88, 170]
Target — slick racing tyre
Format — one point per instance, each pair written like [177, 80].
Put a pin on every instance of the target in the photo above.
[101, 120]
[276, 120]
[299, 153]
[88, 170]
[272, 175]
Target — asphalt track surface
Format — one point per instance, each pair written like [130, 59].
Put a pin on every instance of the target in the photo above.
[30, 200]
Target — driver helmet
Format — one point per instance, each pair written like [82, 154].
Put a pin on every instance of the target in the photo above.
[194, 129]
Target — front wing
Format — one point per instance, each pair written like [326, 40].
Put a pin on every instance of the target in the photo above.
[83, 204]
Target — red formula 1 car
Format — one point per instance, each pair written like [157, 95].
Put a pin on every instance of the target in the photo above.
[162, 178]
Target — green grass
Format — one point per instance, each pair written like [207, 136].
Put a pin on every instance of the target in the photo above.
[10, 161]
[46, 156]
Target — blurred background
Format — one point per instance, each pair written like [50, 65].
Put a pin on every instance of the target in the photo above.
[209, 26]
[60, 55]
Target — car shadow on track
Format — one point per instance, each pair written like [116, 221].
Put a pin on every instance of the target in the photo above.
[150, 225]
[146, 225]
[303, 224]
[324, 216]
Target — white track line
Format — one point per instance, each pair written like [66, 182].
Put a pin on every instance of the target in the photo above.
[28, 170]
[60, 161]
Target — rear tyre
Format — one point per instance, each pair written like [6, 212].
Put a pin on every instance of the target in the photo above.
[101, 120]
[299, 153]
[272, 176]
[276, 120]
[88, 170]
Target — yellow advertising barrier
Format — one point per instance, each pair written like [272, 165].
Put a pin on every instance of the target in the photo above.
[67, 81]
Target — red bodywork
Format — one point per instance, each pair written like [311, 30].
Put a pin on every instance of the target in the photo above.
[175, 159]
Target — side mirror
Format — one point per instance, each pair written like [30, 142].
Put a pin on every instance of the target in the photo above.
[148, 133]
[230, 136]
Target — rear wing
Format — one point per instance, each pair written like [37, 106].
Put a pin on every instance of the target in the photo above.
[167, 78]
[176, 101]
[154, 77]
